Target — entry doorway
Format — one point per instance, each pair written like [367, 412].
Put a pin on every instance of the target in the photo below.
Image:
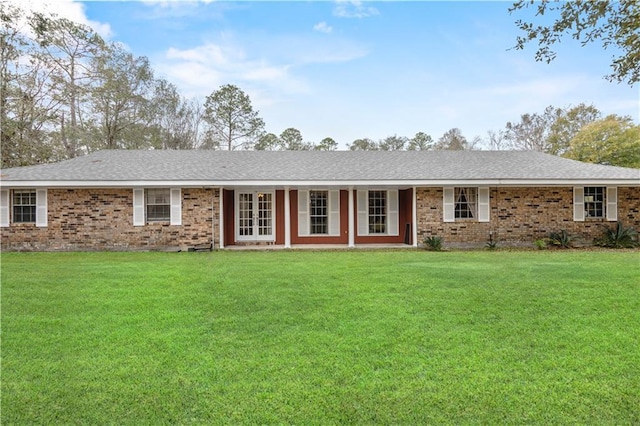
[255, 216]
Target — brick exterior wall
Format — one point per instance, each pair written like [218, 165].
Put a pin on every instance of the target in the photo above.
[102, 219]
[519, 216]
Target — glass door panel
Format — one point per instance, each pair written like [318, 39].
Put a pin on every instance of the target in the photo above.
[254, 216]
[265, 214]
[245, 215]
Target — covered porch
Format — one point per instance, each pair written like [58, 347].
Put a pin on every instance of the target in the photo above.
[315, 216]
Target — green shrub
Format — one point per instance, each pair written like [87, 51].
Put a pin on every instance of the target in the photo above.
[618, 236]
[491, 244]
[433, 243]
[561, 239]
[541, 243]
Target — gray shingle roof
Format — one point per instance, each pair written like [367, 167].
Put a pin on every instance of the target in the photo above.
[304, 166]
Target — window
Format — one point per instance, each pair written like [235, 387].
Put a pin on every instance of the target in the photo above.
[377, 212]
[158, 204]
[319, 212]
[24, 206]
[594, 201]
[466, 205]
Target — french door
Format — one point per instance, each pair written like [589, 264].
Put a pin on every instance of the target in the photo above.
[255, 216]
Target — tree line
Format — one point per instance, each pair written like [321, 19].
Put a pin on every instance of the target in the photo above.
[65, 92]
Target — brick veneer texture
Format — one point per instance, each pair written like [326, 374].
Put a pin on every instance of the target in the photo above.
[519, 216]
[102, 219]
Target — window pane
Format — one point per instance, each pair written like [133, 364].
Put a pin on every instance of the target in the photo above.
[319, 212]
[466, 205]
[158, 204]
[24, 206]
[594, 202]
[377, 212]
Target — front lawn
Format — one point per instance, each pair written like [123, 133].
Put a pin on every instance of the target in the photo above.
[356, 337]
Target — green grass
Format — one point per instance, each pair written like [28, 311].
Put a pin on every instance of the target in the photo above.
[400, 337]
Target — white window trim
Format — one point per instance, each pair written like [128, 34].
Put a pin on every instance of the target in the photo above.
[42, 208]
[333, 213]
[610, 203]
[139, 207]
[393, 216]
[483, 204]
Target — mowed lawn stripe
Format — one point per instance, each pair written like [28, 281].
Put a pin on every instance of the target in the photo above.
[301, 337]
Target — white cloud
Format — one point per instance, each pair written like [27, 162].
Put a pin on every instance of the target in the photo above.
[200, 70]
[353, 9]
[323, 27]
[68, 9]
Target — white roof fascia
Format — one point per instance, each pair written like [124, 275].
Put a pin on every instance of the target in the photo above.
[322, 183]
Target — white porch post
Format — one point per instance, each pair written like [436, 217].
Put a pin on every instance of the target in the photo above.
[352, 225]
[221, 196]
[414, 219]
[287, 219]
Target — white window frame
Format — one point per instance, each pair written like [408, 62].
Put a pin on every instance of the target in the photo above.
[609, 203]
[466, 201]
[41, 207]
[304, 213]
[140, 207]
[482, 211]
[151, 196]
[24, 194]
[392, 219]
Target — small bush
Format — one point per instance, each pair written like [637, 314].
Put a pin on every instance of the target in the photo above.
[433, 243]
[491, 244]
[541, 244]
[618, 237]
[561, 239]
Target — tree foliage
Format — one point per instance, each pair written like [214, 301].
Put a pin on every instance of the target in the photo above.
[614, 23]
[531, 133]
[65, 92]
[122, 99]
[420, 142]
[326, 144]
[232, 120]
[566, 125]
[291, 140]
[393, 143]
[550, 131]
[613, 140]
[453, 140]
[364, 144]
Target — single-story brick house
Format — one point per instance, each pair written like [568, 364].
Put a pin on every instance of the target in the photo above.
[129, 200]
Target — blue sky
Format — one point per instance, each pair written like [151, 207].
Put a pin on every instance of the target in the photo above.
[351, 70]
